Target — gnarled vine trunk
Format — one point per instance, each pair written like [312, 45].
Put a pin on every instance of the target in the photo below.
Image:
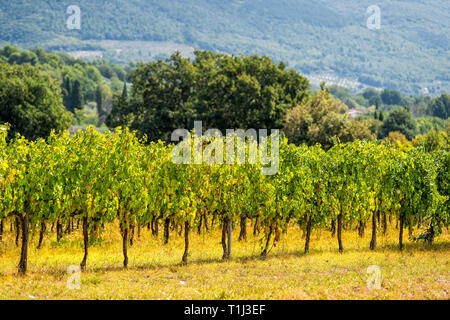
[333, 228]
[361, 228]
[68, 230]
[213, 220]
[229, 234]
[166, 231]
[41, 234]
[432, 234]
[256, 226]
[124, 247]
[339, 232]
[400, 237]
[205, 216]
[186, 242]
[59, 230]
[243, 233]
[1, 229]
[85, 242]
[18, 229]
[266, 247]
[22, 269]
[226, 235]
[131, 235]
[373, 241]
[199, 228]
[308, 234]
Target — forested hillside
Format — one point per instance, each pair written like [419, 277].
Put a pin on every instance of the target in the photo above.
[324, 38]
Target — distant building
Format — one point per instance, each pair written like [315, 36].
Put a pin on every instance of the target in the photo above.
[356, 112]
[86, 54]
[424, 91]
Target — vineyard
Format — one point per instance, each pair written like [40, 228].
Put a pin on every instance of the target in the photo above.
[91, 180]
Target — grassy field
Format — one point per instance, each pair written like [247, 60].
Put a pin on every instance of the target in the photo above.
[155, 272]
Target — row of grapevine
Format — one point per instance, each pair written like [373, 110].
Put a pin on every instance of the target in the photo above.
[116, 178]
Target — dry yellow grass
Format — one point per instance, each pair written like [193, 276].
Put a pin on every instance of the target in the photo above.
[155, 272]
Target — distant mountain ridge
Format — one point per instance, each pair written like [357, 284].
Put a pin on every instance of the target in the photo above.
[410, 52]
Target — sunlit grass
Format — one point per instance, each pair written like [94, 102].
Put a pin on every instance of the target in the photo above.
[155, 271]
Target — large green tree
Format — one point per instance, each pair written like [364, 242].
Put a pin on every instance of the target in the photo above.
[399, 120]
[440, 107]
[225, 92]
[30, 100]
[391, 97]
[246, 91]
[162, 99]
[322, 119]
[23, 57]
[76, 96]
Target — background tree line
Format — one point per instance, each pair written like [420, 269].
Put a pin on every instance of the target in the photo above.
[221, 90]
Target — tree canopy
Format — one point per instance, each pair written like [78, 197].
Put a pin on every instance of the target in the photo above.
[321, 120]
[30, 101]
[440, 107]
[399, 120]
[226, 92]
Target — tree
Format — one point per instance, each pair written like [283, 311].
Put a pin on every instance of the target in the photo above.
[370, 93]
[100, 101]
[162, 99]
[391, 97]
[428, 123]
[64, 68]
[345, 95]
[223, 91]
[125, 91]
[375, 101]
[8, 50]
[399, 120]
[440, 107]
[246, 91]
[66, 89]
[73, 94]
[30, 100]
[23, 57]
[322, 119]
[433, 141]
[397, 140]
[76, 97]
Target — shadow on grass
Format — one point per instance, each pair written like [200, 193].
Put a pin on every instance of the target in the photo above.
[385, 248]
